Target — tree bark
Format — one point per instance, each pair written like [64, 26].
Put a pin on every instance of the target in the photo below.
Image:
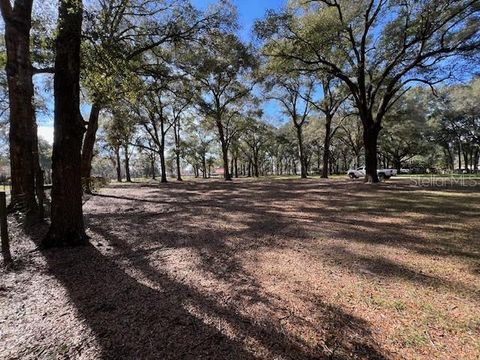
[370, 139]
[226, 171]
[89, 143]
[163, 166]
[176, 130]
[23, 131]
[326, 146]
[67, 226]
[127, 164]
[235, 162]
[119, 163]
[204, 165]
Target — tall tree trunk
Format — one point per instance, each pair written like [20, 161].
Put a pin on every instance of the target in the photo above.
[67, 226]
[204, 166]
[226, 171]
[179, 168]
[127, 164]
[163, 166]
[176, 130]
[89, 143]
[301, 151]
[326, 146]
[235, 161]
[119, 163]
[255, 165]
[23, 131]
[370, 139]
[162, 153]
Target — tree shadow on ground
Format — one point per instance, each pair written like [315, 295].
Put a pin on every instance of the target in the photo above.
[171, 320]
[137, 308]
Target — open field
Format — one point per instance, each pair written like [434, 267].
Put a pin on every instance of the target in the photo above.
[283, 269]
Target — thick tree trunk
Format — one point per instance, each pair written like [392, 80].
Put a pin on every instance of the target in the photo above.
[127, 164]
[301, 151]
[163, 166]
[226, 170]
[326, 146]
[370, 139]
[398, 164]
[23, 131]
[255, 166]
[67, 226]
[89, 143]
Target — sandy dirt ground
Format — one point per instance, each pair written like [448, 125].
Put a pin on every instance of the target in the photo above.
[283, 269]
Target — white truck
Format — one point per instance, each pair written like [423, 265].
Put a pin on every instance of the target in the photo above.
[383, 174]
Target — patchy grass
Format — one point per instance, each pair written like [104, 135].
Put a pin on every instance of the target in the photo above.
[269, 269]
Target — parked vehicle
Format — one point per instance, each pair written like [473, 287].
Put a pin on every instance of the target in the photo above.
[382, 173]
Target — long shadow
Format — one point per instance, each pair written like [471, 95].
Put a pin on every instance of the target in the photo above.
[134, 321]
[138, 310]
[169, 318]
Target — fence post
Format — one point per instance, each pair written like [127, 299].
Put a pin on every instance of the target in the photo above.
[7, 257]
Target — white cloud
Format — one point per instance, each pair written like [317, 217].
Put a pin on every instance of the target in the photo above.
[46, 132]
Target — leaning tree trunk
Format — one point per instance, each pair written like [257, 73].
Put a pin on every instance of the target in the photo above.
[67, 226]
[370, 139]
[88, 145]
[23, 131]
[326, 146]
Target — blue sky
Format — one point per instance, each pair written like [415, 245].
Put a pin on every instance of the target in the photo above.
[248, 12]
